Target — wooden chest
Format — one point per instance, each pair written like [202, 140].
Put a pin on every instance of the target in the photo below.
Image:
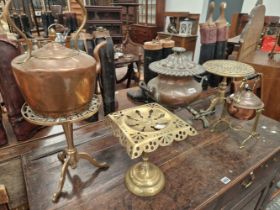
[142, 33]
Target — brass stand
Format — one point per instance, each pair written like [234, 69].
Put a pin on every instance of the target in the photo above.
[219, 98]
[253, 132]
[70, 156]
[142, 130]
[144, 178]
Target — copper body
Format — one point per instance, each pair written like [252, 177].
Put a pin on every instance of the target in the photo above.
[241, 113]
[243, 105]
[57, 86]
[174, 91]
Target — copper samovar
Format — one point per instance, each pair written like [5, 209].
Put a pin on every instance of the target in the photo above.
[56, 80]
[174, 85]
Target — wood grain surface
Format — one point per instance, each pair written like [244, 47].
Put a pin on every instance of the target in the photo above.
[193, 169]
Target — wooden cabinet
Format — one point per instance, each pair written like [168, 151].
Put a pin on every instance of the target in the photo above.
[109, 17]
[141, 33]
[188, 42]
[150, 20]
[270, 68]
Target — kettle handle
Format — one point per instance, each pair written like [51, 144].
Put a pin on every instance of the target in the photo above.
[85, 16]
[6, 15]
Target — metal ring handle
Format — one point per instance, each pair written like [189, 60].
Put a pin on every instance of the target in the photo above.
[56, 24]
[6, 15]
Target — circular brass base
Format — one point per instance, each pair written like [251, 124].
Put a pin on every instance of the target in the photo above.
[144, 179]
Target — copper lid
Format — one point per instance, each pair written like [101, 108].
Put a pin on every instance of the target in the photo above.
[246, 99]
[54, 50]
[167, 43]
[54, 57]
[177, 64]
[153, 45]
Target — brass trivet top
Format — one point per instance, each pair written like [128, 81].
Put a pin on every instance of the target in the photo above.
[228, 68]
[36, 118]
[145, 128]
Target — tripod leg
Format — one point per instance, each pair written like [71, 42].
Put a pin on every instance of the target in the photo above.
[61, 180]
[94, 162]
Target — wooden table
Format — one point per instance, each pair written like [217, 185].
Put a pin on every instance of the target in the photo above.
[270, 68]
[129, 60]
[194, 170]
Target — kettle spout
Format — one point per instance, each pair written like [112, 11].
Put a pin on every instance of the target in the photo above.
[96, 55]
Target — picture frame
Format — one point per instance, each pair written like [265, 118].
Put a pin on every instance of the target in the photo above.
[186, 28]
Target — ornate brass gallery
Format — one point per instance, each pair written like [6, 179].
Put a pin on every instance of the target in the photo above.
[58, 85]
[142, 130]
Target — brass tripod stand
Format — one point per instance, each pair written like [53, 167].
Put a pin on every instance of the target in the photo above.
[69, 156]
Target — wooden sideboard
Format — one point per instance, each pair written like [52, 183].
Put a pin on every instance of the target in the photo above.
[270, 68]
[208, 171]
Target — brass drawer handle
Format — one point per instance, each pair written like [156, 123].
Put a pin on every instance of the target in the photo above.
[250, 182]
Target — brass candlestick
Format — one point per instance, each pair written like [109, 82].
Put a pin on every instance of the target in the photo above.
[70, 156]
[142, 130]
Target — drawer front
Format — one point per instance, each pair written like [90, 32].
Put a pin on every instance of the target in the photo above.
[252, 189]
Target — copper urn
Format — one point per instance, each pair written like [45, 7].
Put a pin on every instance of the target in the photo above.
[174, 85]
[54, 80]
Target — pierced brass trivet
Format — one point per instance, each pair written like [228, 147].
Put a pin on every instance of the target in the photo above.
[70, 156]
[142, 130]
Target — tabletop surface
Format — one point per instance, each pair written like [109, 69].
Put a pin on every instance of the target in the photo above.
[193, 168]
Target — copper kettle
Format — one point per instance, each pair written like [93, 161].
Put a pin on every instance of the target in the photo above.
[56, 81]
[243, 104]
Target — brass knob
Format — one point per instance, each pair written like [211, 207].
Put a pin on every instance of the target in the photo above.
[247, 184]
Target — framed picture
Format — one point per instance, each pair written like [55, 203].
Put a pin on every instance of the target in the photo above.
[186, 28]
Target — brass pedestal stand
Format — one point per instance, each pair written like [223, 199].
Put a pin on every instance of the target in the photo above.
[144, 178]
[142, 130]
[70, 156]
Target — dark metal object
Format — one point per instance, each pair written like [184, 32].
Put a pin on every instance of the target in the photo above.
[47, 20]
[107, 76]
[34, 17]
[202, 117]
[152, 52]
